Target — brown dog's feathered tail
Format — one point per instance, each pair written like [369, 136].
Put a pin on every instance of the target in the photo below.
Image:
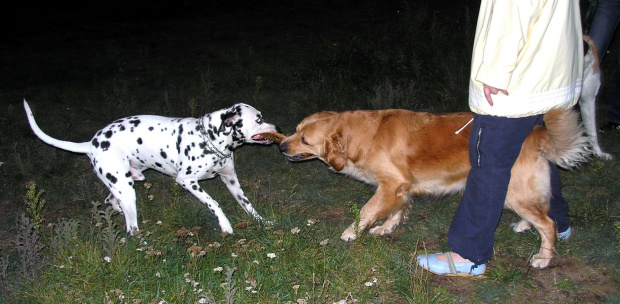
[565, 143]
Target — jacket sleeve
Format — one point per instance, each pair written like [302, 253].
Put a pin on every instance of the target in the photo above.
[504, 35]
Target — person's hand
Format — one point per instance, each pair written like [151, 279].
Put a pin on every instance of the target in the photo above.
[488, 90]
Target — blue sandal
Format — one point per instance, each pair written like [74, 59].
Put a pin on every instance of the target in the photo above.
[449, 268]
[563, 236]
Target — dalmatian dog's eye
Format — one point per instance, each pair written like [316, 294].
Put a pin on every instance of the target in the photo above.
[259, 120]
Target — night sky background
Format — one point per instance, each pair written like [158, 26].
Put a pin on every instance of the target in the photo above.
[71, 26]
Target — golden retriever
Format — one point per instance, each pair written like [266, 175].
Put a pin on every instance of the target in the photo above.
[405, 153]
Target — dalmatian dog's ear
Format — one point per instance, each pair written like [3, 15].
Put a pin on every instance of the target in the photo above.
[229, 119]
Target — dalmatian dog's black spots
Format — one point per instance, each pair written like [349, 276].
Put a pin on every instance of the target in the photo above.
[111, 178]
[105, 145]
[202, 149]
[135, 122]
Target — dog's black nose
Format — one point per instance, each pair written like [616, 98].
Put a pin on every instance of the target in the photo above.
[282, 147]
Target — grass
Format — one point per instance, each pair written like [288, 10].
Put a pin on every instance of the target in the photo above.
[60, 245]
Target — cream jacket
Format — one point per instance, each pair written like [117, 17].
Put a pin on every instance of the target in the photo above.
[532, 49]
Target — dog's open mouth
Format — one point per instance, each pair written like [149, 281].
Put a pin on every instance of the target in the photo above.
[301, 157]
[268, 137]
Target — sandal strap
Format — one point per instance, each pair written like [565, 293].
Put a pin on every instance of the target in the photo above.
[450, 263]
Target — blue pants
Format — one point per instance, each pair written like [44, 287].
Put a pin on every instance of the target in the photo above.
[602, 29]
[494, 146]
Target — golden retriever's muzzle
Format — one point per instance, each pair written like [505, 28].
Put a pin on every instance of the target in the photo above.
[295, 157]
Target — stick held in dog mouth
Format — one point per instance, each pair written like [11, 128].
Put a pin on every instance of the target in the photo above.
[273, 136]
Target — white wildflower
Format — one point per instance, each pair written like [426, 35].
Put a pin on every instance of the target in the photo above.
[324, 242]
[158, 275]
[107, 259]
[218, 269]
[295, 230]
[234, 255]
[271, 255]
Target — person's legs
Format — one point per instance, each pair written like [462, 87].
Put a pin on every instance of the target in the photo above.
[495, 143]
[604, 24]
[558, 210]
[613, 110]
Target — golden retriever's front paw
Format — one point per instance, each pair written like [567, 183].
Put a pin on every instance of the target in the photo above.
[381, 230]
[540, 261]
[348, 235]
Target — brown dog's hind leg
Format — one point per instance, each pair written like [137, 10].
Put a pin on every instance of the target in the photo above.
[535, 213]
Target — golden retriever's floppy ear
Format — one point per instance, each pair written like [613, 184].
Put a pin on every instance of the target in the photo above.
[334, 152]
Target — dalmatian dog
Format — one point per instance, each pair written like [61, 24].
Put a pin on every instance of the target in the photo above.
[587, 100]
[190, 149]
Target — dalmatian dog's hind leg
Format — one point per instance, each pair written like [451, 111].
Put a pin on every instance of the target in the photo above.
[136, 175]
[136, 172]
[193, 187]
[114, 202]
[123, 195]
[118, 178]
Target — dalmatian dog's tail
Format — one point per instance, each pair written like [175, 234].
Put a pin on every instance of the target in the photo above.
[65, 145]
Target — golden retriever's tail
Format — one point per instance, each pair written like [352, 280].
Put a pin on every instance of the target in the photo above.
[566, 144]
